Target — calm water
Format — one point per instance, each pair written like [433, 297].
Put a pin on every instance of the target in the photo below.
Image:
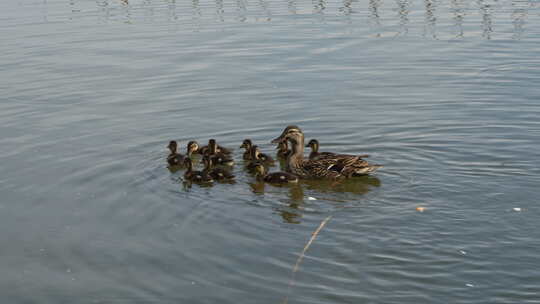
[445, 94]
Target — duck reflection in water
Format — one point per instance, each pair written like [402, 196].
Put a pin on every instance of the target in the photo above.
[293, 204]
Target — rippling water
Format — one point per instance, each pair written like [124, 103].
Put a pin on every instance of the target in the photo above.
[443, 93]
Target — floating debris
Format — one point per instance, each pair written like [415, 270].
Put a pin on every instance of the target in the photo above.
[420, 209]
[311, 198]
[517, 209]
[463, 252]
[469, 285]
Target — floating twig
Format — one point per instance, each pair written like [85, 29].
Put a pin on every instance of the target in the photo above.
[301, 257]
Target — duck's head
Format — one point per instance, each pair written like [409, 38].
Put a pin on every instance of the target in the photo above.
[192, 146]
[260, 170]
[292, 133]
[313, 144]
[246, 144]
[173, 145]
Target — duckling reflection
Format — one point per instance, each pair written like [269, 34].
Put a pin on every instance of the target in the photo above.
[355, 185]
[291, 210]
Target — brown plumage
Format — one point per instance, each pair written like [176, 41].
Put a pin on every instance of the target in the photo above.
[218, 158]
[247, 144]
[315, 154]
[283, 150]
[216, 173]
[219, 149]
[195, 176]
[174, 158]
[329, 168]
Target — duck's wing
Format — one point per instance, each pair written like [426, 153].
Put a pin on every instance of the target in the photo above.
[323, 168]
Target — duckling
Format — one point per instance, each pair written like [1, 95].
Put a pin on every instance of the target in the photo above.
[254, 159]
[216, 173]
[266, 159]
[336, 167]
[195, 176]
[174, 158]
[247, 144]
[283, 150]
[218, 158]
[219, 149]
[192, 147]
[315, 154]
[274, 177]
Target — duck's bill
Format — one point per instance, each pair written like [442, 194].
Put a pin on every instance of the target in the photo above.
[277, 140]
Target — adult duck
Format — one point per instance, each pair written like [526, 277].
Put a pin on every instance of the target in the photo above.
[328, 168]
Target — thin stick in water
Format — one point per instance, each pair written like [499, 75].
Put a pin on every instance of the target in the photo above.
[301, 257]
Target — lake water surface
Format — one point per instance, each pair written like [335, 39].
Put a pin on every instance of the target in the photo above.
[445, 94]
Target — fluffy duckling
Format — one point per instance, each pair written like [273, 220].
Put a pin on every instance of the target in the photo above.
[174, 158]
[264, 158]
[247, 144]
[283, 150]
[274, 177]
[195, 176]
[192, 147]
[254, 160]
[217, 157]
[216, 173]
[315, 154]
[219, 149]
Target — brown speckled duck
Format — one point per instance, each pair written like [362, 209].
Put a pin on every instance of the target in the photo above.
[327, 168]
[274, 177]
[315, 154]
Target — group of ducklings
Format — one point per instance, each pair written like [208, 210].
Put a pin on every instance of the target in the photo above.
[320, 165]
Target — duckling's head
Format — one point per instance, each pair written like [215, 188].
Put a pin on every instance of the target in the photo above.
[282, 146]
[173, 145]
[192, 146]
[260, 170]
[313, 144]
[292, 133]
[246, 144]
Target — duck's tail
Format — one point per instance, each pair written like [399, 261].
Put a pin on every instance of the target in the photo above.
[366, 170]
